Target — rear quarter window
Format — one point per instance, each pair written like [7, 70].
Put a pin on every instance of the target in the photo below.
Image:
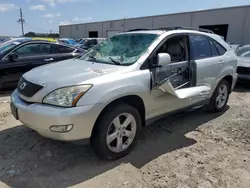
[220, 48]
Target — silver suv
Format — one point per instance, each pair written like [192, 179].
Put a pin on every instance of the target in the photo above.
[124, 83]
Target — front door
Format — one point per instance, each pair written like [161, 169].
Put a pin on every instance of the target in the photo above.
[180, 73]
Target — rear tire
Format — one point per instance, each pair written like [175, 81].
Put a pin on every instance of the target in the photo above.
[116, 132]
[220, 97]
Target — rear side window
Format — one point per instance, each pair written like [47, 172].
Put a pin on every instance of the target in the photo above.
[201, 47]
[58, 49]
[220, 48]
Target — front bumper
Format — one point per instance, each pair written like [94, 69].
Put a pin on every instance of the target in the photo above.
[40, 117]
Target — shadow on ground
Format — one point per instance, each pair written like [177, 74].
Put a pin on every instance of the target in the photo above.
[29, 160]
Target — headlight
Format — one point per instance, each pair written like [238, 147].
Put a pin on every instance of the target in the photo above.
[67, 96]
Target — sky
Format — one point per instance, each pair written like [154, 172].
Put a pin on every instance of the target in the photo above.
[44, 16]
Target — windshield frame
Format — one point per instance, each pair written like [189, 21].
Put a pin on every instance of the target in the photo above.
[88, 57]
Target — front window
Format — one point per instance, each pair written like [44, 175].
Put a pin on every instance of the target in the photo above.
[33, 49]
[124, 49]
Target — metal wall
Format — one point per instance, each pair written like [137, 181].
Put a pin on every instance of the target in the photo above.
[238, 19]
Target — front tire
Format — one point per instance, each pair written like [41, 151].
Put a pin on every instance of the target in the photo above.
[116, 132]
[220, 97]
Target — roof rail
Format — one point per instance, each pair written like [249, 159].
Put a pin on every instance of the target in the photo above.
[139, 29]
[175, 28]
[196, 29]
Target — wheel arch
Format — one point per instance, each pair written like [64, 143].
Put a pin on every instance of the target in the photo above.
[133, 100]
[229, 79]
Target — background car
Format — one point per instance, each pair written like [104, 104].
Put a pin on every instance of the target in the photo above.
[18, 57]
[88, 43]
[68, 41]
[243, 70]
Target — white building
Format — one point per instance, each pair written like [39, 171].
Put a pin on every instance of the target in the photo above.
[233, 23]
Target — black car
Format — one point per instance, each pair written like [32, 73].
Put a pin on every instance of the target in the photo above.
[17, 58]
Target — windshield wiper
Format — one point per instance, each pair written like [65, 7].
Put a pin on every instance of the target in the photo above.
[114, 61]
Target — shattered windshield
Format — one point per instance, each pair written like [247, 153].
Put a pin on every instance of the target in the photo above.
[124, 49]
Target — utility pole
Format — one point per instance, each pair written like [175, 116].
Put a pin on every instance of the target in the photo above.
[21, 20]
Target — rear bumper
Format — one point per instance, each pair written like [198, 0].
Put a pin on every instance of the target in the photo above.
[41, 117]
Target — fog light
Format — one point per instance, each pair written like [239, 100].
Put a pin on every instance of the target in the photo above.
[61, 128]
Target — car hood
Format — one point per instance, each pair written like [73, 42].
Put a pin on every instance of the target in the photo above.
[243, 62]
[69, 72]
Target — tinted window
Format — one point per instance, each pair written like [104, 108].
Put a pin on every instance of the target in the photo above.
[220, 48]
[214, 50]
[201, 47]
[33, 49]
[58, 49]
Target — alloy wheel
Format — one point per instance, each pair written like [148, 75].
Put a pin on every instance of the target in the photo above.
[221, 98]
[121, 132]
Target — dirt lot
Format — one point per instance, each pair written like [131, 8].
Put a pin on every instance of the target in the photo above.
[190, 149]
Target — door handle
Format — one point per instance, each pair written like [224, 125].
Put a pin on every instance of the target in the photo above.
[49, 59]
[221, 62]
[204, 93]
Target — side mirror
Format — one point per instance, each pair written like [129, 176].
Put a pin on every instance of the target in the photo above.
[163, 59]
[13, 56]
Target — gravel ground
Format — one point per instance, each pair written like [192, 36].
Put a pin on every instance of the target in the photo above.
[190, 149]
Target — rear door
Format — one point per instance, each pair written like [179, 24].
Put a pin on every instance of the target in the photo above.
[62, 52]
[208, 59]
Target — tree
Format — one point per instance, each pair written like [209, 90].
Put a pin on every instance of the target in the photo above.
[30, 34]
[33, 34]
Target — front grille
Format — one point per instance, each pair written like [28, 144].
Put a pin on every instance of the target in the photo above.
[28, 89]
[243, 70]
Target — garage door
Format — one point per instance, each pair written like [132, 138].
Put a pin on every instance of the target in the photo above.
[111, 33]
